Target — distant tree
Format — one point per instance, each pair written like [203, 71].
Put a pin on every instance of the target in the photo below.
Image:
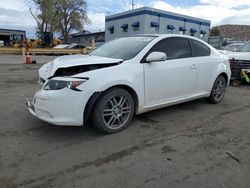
[215, 31]
[45, 14]
[72, 14]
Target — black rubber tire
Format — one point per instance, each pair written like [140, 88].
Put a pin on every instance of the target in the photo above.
[211, 98]
[97, 114]
[236, 83]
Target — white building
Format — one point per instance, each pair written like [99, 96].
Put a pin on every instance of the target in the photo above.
[150, 21]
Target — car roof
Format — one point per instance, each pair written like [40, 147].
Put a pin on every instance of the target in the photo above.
[167, 35]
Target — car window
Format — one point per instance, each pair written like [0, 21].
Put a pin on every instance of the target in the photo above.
[174, 47]
[245, 48]
[123, 48]
[199, 49]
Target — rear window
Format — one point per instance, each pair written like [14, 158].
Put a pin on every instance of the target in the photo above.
[199, 49]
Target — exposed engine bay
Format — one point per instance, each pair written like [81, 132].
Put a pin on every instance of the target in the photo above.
[69, 71]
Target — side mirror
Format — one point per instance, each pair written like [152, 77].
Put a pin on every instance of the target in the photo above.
[156, 56]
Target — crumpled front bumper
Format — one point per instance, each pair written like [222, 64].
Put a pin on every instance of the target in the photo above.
[58, 107]
[30, 107]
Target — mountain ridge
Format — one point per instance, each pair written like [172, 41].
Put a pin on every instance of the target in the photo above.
[236, 32]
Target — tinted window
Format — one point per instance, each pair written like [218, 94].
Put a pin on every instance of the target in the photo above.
[175, 48]
[199, 49]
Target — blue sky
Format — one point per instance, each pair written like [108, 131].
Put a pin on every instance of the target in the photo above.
[14, 14]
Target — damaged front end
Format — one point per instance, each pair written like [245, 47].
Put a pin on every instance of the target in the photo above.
[72, 65]
[69, 71]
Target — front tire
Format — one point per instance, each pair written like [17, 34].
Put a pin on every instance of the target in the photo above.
[114, 111]
[218, 90]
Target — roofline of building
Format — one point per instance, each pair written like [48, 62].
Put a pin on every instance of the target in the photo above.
[81, 34]
[157, 12]
[13, 30]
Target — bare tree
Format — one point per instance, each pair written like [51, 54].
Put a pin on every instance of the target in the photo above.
[45, 14]
[72, 15]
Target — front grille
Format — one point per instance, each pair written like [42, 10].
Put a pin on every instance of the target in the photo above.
[236, 67]
[242, 64]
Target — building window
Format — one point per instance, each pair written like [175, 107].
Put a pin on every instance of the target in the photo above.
[136, 26]
[170, 29]
[154, 27]
[182, 30]
[111, 29]
[193, 31]
[125, 27]
[202, 33]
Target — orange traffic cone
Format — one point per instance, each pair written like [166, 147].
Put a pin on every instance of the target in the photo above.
[28, 58]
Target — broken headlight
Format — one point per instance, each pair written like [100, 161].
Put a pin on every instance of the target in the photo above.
[61, 84]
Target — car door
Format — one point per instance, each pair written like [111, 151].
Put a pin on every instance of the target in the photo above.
[206, 63]
[174, 78]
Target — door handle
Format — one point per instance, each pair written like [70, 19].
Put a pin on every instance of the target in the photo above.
[194, 66]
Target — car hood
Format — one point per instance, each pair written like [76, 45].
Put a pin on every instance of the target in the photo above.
[239, 55]
[80, 63]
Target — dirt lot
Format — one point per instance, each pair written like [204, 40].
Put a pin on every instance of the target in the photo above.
[181, 146]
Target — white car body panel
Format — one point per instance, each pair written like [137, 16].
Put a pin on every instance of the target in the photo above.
[160, 85]
[239, 55]
[156, 84]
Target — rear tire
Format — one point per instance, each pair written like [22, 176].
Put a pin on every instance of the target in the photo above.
[113, 111]
[218, 90]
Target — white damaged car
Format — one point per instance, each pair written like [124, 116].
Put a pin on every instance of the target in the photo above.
[128, 76]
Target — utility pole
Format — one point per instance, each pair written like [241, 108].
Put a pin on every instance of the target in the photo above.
[133, 4]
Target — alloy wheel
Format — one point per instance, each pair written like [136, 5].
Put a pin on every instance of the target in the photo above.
[117, 112]
[219, 89]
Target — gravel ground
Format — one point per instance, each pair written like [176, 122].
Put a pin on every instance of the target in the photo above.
[187, 145]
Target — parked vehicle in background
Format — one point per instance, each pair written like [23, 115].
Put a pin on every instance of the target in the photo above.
[128, 76]
[75, 46]
[60, 46]
[245, 47]
[240, 64]
[243, 53]
[70, 46]
[233, 47]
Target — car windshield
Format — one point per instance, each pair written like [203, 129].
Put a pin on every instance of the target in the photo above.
[123, 48]
[245, 48]
[232, 47]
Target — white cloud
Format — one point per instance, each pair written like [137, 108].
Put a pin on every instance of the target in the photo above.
[97, 22]
[226, 3]
[218, 11]
[14, 4]
[16, 18]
